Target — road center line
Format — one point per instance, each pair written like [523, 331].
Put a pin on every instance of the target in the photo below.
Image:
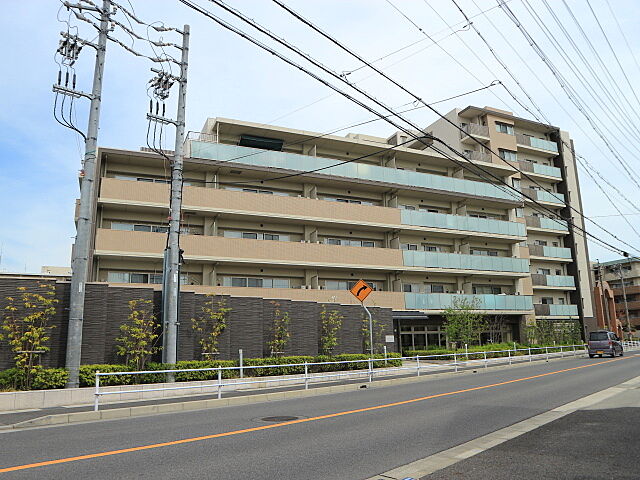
[292, 422]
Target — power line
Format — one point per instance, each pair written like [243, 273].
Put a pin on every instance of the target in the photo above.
[563, 84]
[340, 45]
[311, 60]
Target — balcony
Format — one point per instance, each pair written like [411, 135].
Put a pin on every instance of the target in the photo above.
[460, 261]
[207, 249]
[539, 169]
[442, 301]
[459, 222]
[246, 204]
[475, 130]
[536, 145]
[546, 310]
[478, 156]
[351, 171]
[544, 196]
[554, 281]
[550, 252]
[547, 224]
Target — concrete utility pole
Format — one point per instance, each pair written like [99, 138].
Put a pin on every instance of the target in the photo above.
[82, 245]
[624, 295]
[171, 296]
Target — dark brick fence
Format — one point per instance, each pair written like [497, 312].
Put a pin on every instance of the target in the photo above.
[248, 325]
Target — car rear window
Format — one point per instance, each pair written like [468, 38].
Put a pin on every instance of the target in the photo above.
[595, 336]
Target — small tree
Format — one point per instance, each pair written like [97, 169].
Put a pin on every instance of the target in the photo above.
[495, 327]
[378, 335]
[210, 325]
[463, 322]
[139, 336]
[330, 323]
[26, 329]
[279, 330]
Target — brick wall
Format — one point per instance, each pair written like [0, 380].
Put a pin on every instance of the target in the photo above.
[248, 326]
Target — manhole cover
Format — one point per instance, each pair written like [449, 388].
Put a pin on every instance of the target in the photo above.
[281, 418]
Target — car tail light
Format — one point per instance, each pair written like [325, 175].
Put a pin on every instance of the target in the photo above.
[610, 343]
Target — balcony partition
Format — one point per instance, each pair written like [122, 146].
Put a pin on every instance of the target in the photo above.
[546, 310]
[553, 280]
[534, 142]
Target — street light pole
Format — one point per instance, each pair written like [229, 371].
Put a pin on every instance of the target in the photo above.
[624, 295]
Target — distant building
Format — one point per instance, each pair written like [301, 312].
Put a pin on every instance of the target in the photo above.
[625, 272]
[56, 271]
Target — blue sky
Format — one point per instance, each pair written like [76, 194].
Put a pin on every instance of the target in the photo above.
[228, 77]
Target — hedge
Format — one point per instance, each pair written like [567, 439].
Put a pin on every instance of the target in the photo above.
[477, 352]
[51, 378]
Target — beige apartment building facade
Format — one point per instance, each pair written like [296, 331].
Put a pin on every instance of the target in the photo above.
[274, 212]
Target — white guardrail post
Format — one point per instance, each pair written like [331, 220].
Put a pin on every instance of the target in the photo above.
[418, 365]
[574, 350]
[219, 383]
[547, 352]
[561, 352]
[455, 362]
[96, 400]
[530, 357]
[240, 363]
[485, 360]
[306, 376]
[370, 370]
[509, 353]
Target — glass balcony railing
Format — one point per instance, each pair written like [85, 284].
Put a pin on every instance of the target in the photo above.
[546, 310]
[461, 261]
[460, 222]
[441, 301]
[553, 280]
[536, 143]
[550, 197]
[553, 224]
[547, 170]
[354, 170]
[553, 252]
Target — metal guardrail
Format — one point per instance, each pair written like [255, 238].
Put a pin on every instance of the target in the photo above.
[415, 364]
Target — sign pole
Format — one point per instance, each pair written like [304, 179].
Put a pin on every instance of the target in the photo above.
[370, 328]
[361, 291]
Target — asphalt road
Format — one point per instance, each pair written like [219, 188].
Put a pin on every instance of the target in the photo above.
[584, 445]
[428, 416]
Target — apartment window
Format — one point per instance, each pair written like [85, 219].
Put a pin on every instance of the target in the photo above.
[424, 208]
[411, 287]
[250, 235]
[555, 244]
[560, 301]
[139, 227]
[350, 200]
[346, 284]
[136, 277]
[541, 242]
[430, 248]
[256, 235]
[434, 288]
[547, 300]
[519, 212]
[407, 207]
[409, 246]
[490, 253]
[487, 290]
[504, 128]
[507, 154]
[544, 271]
[350, 242]
[333, 241]
[516, 184]
[256, 282]
[558, 272]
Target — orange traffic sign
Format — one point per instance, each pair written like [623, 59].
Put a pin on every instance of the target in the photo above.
[361, 290]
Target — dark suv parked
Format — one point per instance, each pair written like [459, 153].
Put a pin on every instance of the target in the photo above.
[604, 342]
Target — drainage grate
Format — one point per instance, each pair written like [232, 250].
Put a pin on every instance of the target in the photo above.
[282, 418]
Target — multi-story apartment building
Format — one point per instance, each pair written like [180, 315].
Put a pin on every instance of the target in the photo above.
[560, 280]
[275, 212]
[616, 273]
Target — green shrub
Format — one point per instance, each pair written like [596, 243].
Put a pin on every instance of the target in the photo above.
[50, 378]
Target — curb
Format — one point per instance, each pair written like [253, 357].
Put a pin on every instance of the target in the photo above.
[184, 406]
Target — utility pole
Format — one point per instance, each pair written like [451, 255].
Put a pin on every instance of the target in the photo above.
[81, 248]
[605, 305]
[624, 295]
[171, 274]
